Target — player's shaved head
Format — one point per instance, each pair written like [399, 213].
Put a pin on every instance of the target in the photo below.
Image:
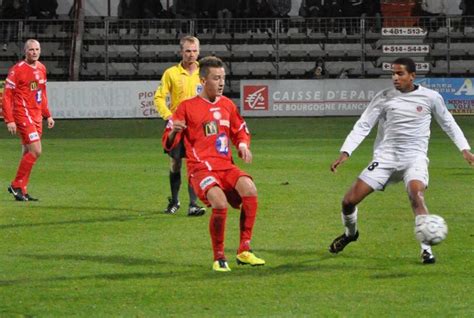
[29, 42]
[207, 63]
[32, 51]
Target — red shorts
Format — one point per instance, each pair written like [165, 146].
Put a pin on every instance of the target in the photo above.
[29, 132]
[203, 180]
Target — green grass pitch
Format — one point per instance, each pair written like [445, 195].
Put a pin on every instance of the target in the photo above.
[98, 244]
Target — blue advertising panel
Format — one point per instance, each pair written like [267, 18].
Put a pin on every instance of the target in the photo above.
[458, 93]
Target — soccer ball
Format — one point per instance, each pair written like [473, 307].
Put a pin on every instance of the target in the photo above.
[430, 229]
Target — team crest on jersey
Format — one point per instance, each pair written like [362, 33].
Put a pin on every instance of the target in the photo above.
[217, 115]
[199, 89]
[33, 85]
[210, 128]
[419, 108]
[222, 144]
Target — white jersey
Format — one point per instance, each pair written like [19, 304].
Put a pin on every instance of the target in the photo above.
[404, 124]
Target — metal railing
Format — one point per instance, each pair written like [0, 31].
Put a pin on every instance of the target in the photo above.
[55, 37]
[143, 45]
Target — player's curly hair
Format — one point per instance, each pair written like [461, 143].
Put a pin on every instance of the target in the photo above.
[209, 62]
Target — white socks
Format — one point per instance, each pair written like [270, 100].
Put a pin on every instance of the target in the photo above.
[350, 223]
[424, 247]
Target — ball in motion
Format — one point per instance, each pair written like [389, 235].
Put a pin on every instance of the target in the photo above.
[430, 229]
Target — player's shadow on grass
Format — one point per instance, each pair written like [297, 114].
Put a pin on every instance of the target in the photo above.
[118, 218]
[64, 208]
[316, 253]
[92, 208]
[105, 276]
[101, 259]
[288, 252]
[107, 259]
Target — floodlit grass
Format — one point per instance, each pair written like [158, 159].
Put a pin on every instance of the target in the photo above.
[98, 244]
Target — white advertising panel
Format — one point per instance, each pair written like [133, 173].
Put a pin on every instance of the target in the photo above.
[332, 97]
[420, 66]
[406, 49]
[132, 99]
[404, 32]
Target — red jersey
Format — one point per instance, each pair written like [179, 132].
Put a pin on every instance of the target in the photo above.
[209, 128]
[24, 96]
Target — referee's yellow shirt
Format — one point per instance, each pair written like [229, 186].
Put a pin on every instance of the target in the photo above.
[180, 85]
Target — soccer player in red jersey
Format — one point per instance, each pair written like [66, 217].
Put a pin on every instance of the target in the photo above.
[25, 104]
[208, 123]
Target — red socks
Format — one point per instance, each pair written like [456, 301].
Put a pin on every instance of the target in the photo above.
[217, 230]
[24, 170]
[248, 212]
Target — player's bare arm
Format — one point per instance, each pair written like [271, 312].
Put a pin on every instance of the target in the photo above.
[245, 154]
[342, 158]
[11, 128]
[468, 156]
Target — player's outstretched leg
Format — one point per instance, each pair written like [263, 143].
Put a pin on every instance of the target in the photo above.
[351, 233]
[415, 191]
[358, 191]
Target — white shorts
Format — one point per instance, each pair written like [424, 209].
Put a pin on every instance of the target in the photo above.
[379, 173]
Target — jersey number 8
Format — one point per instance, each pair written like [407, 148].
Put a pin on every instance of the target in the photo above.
[373, 165]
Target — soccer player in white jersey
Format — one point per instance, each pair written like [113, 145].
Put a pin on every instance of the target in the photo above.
[403, 114]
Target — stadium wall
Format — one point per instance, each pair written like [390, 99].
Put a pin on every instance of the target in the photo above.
[109, 99]
[260, 98]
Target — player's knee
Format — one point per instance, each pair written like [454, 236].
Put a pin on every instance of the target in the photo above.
[246, 187]
[217, 198]
[348, 206]
[220, 203]
[250, 191]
